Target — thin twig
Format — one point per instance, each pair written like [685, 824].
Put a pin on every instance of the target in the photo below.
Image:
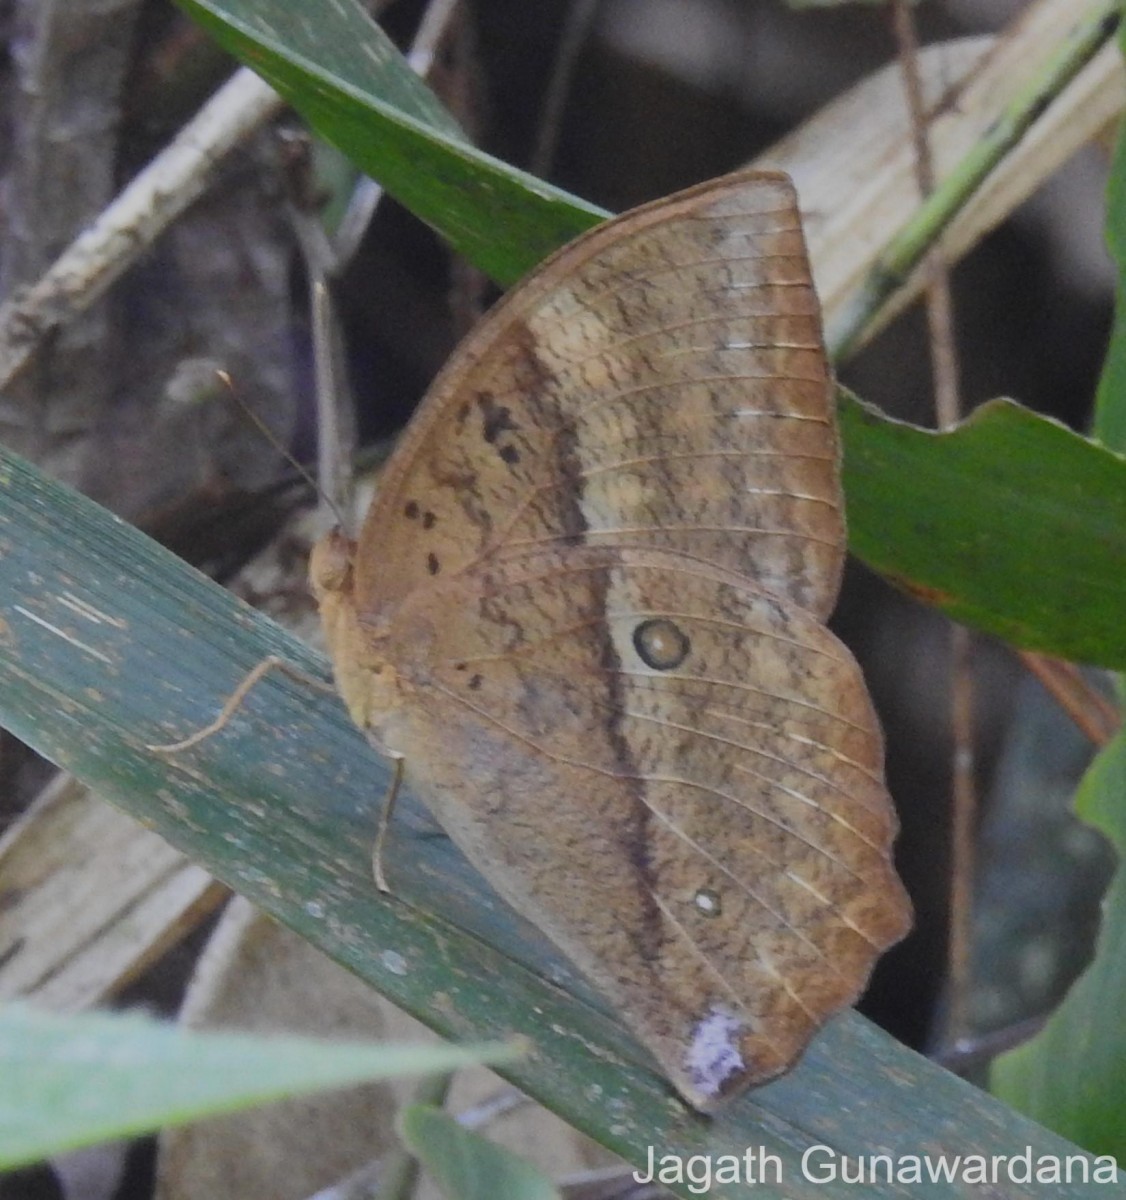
[335, 430]
[1096, 717]
[970, 1053]
[616, 1182]
[139, 214]
[963, 835]
[133, 221]
[432, 31]
[325, 260]
[944, 365]
[580, 15]
[939, 306]
[1095, 28]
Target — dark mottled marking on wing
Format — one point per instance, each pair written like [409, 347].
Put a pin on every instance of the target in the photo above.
[541, 396]
[495, 418]
[544, 401]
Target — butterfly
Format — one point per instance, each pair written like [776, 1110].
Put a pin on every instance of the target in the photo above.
[586, 612]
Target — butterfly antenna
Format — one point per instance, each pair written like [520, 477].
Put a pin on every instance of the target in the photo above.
[283, 450]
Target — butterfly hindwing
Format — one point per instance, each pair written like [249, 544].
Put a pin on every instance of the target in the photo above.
[677, 776]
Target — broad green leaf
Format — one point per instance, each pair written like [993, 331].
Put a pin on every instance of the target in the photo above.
[1010, 523]
[1072, 1075]
[108, 643]
[465, 1165]
[341, 72]
[68, 1081]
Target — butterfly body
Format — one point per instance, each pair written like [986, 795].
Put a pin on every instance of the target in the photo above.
[587, 609]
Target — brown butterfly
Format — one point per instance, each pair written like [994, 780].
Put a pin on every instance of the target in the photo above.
[587, 612]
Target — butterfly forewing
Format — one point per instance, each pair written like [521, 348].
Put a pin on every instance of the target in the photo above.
[660, 383]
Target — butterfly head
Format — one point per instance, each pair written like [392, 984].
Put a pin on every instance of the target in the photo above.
[330, 565]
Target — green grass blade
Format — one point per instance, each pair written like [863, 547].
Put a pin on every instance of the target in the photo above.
[341, 72]
[68, 1081]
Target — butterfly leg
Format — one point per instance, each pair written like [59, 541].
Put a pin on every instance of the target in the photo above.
[254, 677]
[385, 823]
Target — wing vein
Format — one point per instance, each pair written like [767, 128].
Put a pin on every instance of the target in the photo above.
[650, 778]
